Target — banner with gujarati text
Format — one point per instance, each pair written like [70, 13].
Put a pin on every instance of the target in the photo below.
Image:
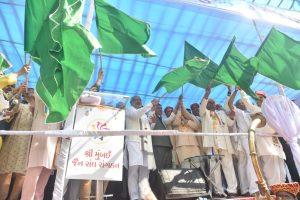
[97, 158]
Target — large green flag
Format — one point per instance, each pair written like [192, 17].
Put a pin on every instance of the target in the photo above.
[187, 74]
[62, 48]
[119, 33]
[4, 63]
[38, 40]
[198, 70]
[190, 52]
[235, 69]
[279, 59]
[207, 75]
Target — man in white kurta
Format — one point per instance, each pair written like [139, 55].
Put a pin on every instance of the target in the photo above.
[217, 122]
[140, 152]
[246, 172]
[269, 149]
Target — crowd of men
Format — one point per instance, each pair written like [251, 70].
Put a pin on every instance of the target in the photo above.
[185, 150]
[29, 160]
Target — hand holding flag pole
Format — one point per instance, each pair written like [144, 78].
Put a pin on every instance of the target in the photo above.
[96, 86]
[100, 74]
[26, 76]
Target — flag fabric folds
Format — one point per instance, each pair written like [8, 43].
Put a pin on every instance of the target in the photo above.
[208, 73]
[198, 70]
[61, 46]
[235, 69]
[120, 33]
[4, 63]
[279, 59]
[187, 74]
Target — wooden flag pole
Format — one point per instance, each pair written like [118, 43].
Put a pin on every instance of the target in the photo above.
[100, 73]
[25, 57]
[30, 61]
[163, 95]
[26, 76]
[182, 90]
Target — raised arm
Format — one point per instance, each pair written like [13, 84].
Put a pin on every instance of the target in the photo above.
[232, 97]
[185, 113]
[193, 124]
[137, 113]
[177, 120]
[178, 104]
[249, 105]
[11, 79]
[169, 120]
[226, 107]
[177, 111]
[280, 89]
[202, 109]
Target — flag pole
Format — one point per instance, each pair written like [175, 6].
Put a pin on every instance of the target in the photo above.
[30, 60]
[100, 73]
[263, 189]
[258, 33]
[182, 90]
[25, 57]
[99, 185]
[162, 95]
[26, 76]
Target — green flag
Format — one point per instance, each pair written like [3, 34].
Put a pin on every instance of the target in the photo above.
[190, 52]
[119, 33]
[198, 70]
[236, 70]
[4, 63]
[187, 74]
[38, 40]
[207, 74]
[279, 59]
[62, 48]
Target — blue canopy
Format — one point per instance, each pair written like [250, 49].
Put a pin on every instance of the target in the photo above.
[207, 25]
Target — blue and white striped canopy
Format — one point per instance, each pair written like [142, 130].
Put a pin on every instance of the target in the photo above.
[209, 25]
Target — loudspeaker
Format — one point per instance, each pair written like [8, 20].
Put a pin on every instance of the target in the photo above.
[183, 183]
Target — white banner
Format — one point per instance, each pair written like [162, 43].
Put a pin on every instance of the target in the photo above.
[97, 158]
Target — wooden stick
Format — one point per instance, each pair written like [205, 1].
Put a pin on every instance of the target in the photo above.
[163, 95]
[25, 57]
[181, 90]
[100, 72]
[26, 76]
[30, 61]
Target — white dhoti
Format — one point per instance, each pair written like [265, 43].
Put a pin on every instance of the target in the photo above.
[138, 172]
[273, 169]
